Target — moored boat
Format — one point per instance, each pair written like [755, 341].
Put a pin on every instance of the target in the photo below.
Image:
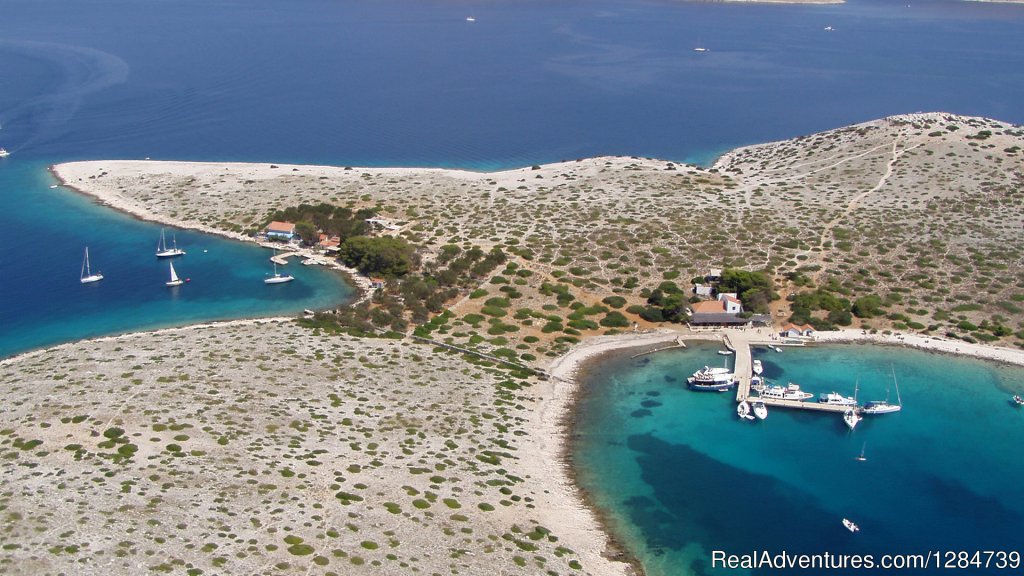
[757, 367]
[788, 392]
[760, 410]
[743, 410]
[87, 276]
[837, 399]
[851, 418]
[712, 380]
[162, 251]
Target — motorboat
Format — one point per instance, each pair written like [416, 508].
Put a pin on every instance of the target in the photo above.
[4, 153]
[1018, 400]
[788, 392]
[712, 380]
[850, 525]
[725, 352]
[837, 399]
[760, 410]
[743, 410]
[757, 367]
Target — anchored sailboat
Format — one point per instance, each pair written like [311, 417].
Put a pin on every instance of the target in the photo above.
[277, 278]
[162, 251]
[883, 406]
[87, 276]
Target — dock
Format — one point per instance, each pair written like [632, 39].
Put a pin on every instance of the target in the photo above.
[805, 405]
[678, 343]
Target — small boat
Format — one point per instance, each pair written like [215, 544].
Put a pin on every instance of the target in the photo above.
[701, 49]
[829, 28]
[87, 276]
[1017, 400]
[757, 367]
[788, 392]
[777, 348]
[850, 525]
[725, 352]
[4, 153]
[862, 457]
[760, 410]
[175, 281]
[851, 418]
[837, 399]
[162, 251]
[278, 278]
[53, 186]
[470, 19]
[743, 410]
[883, 406]
[711, 380]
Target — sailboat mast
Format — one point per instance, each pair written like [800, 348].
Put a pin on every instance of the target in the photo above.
[85, 263]
[896, 384]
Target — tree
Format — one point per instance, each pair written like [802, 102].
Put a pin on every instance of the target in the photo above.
[386, 256]
[307, 232]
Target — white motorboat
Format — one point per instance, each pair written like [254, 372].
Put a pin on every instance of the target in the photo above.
[850, 525]
[725, 352]
[1018, 400]
[701, 49]
[760, 410]
[837, 399]
[4, 153]
[851, 418]
[712, 380]
[788, 392]
[757, 367]
[162, 251]
[743, 410]
[470, 19]
[829, 28]
[87, 276]
[175, 281]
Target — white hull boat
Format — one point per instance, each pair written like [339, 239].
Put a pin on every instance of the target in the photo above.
[849, 524]
[851, 418]
[162, 251]
[87, 277]
[174, 281]
[760, 410]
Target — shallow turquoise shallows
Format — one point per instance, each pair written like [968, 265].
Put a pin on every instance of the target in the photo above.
[680, 476]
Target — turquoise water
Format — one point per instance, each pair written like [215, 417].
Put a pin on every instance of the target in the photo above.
[42, 301]
[679, 475]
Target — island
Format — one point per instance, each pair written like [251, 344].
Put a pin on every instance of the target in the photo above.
[425, 429]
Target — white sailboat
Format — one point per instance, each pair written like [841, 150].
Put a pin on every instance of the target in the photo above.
[87, 276]
[851, 418]
[162, 251]
[883, 406]
[278, 278]
[862, 457]
[175, 281]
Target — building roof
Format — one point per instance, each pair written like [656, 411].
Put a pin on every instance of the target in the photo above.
[283, 227]
[717, 318]
[707, 307]
[798, 327]
[731, 298]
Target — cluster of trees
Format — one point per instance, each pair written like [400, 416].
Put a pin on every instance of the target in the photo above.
[666, 303]
[332, 220]
[754, 289]
[386, 256]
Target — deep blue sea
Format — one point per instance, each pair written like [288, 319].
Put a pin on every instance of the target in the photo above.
[412, 82]
[679, 475]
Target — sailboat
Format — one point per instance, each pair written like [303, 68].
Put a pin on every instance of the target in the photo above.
[850, 416]
[162, 251]
[175, 281]
[87, 276]
[277, 278]
[883, 406]
[862, 457]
